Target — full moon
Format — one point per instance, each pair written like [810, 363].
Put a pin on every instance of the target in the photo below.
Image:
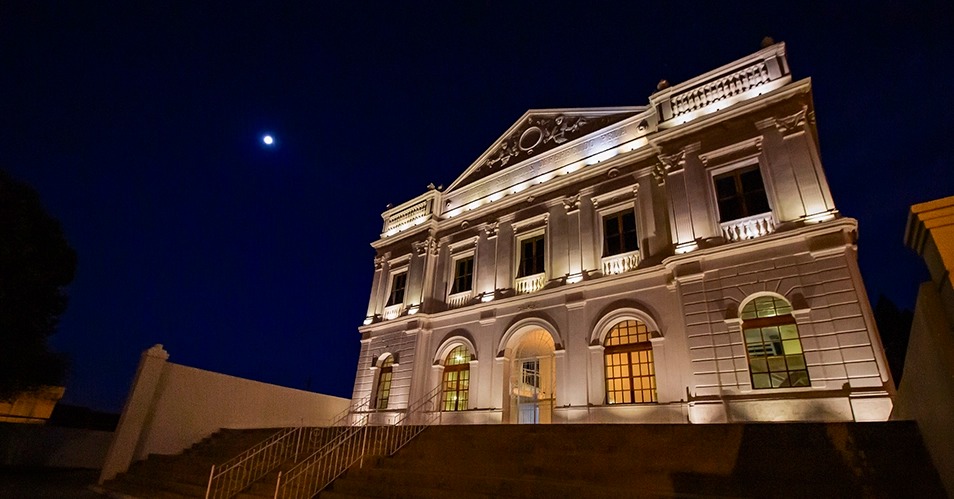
[268, 140]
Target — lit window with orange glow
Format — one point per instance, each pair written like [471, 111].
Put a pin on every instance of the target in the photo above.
[384, 384]
[456, 381]
[775, 352]
[628, 357]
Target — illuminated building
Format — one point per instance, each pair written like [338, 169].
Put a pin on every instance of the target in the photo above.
[681, 261]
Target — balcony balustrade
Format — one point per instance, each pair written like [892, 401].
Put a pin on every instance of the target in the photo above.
[748, 228]
[623, 262]
[529, 284]
[458, 300]
[724, 87]
[392, 312]
[411, 215]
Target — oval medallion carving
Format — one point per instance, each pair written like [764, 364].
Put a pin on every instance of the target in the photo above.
[530, 138]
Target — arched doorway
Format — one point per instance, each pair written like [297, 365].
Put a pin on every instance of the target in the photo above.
[532, 384]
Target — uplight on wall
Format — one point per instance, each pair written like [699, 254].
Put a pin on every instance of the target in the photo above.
[686, 248]
[819, 217]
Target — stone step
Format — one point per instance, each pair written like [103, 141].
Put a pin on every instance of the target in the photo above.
[729, 460]
[379, 482]
[156, 484]
[331, 494]
[182, 467]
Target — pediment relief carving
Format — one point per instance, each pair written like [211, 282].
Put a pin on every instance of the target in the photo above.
[539, 133]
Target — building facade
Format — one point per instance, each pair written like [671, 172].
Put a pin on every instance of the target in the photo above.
[677, 262]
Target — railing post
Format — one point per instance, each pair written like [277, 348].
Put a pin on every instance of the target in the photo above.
[364, 443]
[208, 488]
[278, 484]
[298, 442]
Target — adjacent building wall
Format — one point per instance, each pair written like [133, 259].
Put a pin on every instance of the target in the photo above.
[170, 407]
[926, 393]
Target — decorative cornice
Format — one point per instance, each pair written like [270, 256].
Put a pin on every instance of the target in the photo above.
[571, 204]
[613, 196]
[542, 219]
[667, 164]
[428, 245]
[380, 259]
[793, 123]
[463, 244]
[733, 152]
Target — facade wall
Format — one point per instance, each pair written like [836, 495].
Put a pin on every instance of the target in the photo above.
[663, 169]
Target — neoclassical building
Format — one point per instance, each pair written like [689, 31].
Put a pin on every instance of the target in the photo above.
[681, 261]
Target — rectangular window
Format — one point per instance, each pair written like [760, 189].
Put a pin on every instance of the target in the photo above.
[463, 275]
[619, 233]
[531, 256]
[398, 283]
[741, 194]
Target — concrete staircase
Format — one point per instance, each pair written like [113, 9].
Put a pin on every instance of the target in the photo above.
[187, 474]
[734, 460]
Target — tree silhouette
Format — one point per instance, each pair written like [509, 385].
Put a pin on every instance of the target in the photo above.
[36, 263]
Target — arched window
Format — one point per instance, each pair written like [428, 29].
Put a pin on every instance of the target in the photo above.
[456, 382]
[771, 340]
[628, 354]
[384, 383]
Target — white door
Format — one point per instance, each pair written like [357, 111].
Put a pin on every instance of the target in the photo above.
[528, 392]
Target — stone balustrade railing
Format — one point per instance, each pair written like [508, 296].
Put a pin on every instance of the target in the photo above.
[458, 300]
[529, 284]
[749, 227]
[392, 312]
[406, 217]
[763, 71]
[617, 264]
[721, 88]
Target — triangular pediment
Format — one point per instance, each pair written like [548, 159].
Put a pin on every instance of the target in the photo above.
[538, 131]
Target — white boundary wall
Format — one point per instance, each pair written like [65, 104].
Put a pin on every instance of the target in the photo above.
[170, 407]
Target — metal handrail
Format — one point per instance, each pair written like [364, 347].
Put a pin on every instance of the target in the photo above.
[252, 464]
[315, 472]
[355, 407]
[240, 471]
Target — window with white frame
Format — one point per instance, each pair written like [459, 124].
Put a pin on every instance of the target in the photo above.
[741, 197]
[398, 286]
[383, 392]
[628, 358]
[619, 233]
[455, 382]
[776, 359]
[463, 274]
[532, 255]
[616, 221]
[740, 193]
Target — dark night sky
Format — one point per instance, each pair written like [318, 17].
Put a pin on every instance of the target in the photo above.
[140, 127]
